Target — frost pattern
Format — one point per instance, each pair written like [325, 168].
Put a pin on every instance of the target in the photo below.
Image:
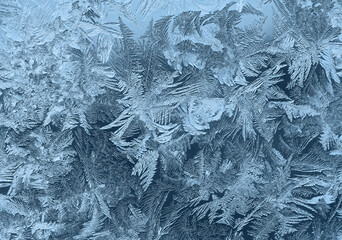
[160, 119]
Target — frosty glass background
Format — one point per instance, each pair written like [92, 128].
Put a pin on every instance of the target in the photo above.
[160, 119]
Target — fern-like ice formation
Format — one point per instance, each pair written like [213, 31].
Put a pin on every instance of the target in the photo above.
[160, 119]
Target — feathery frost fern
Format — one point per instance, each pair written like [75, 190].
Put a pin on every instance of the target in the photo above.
[198, 123]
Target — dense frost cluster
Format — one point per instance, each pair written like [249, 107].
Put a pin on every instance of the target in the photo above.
[170, 119]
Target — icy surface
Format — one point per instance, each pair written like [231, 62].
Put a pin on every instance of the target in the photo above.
[170, 119]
